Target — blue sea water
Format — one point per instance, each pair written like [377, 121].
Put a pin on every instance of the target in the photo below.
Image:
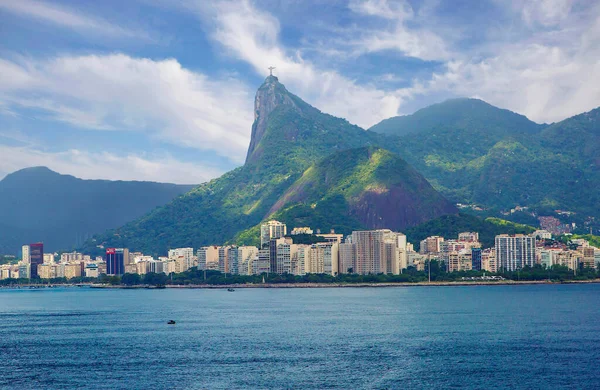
[478, 337]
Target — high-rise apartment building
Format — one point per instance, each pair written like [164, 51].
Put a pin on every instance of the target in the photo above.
[514, 252]
[286, 254]
[208, 257]
[377, 251]
[347, 257]
[25, 254]
[476, 259]
[431, 244]
[115, 260]
[185, 256]
[244, 255]
[36, 257]
[271, 230]
[224, 259]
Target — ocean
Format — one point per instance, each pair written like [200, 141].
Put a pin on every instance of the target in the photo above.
[474, 337]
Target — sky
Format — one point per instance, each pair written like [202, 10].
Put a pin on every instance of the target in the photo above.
[163, 90]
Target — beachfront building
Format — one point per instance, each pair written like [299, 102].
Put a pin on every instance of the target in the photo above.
[513, 252]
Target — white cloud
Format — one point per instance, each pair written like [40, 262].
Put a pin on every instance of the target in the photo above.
[388, 9]
[252, 36]
[118, 92]
[66, 17]
[545, 12]
[545, 83]
[105, 165]
[414, 42]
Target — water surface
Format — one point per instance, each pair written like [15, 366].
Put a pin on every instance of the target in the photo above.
[543, 336]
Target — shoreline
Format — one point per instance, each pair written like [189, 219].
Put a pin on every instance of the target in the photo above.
[359, 285]
[310, 285]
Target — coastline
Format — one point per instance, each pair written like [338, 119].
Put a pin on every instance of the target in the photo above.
[359, 285]
[308, 285]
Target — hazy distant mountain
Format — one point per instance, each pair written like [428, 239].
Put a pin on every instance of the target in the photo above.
[37, 204]
[296, 163]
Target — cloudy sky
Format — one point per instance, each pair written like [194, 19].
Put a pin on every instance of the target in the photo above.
[163, 90]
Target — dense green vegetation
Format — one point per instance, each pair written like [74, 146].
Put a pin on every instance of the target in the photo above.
[300, 170]
[354, 189]
[291, 142]
[7, 259]
[476, 153]
[449, 226]
[37, 204]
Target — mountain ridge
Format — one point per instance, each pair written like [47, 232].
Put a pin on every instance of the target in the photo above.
[39, 204]
[288, 136]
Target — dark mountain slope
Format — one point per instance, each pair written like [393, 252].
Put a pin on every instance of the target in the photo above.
[37, 204]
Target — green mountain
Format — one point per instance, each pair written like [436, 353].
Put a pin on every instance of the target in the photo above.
[353, 189]
[37, 204]
[473, 116]
[282, 176]
[473, 152]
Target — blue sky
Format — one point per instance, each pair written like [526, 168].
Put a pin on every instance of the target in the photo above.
[163, 90]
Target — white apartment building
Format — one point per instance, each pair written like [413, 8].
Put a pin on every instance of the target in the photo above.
[270, 230]
[514, 252]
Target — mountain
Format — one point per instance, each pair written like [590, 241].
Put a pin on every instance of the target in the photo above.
[473, 116]
[37, 204]
[298, 159]
[473, 152]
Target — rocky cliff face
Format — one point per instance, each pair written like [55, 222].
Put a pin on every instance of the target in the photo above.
[269, 96]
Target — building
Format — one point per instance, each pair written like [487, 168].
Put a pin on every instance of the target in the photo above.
[332, 237]
[185, 256]
[286, 253]
[115, 260]
[25, 254]
[244, 256]
[224, 259]
[542, 235]
[468, 237]
[263, 263]
[476, 259]
[347, 258]
[72, 270]
[301, 230]
[48, 258]
[488, 260]
[271, 230]
[431, 244]
[36, 257]
[376, 251]
[91, 271]
[513, 252]
[460, 261]
[208, 257]
[330, 258]
[589, 260]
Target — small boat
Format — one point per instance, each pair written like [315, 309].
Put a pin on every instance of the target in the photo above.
[171, 322]
[230, 290]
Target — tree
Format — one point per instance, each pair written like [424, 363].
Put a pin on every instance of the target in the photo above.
[131, 279]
